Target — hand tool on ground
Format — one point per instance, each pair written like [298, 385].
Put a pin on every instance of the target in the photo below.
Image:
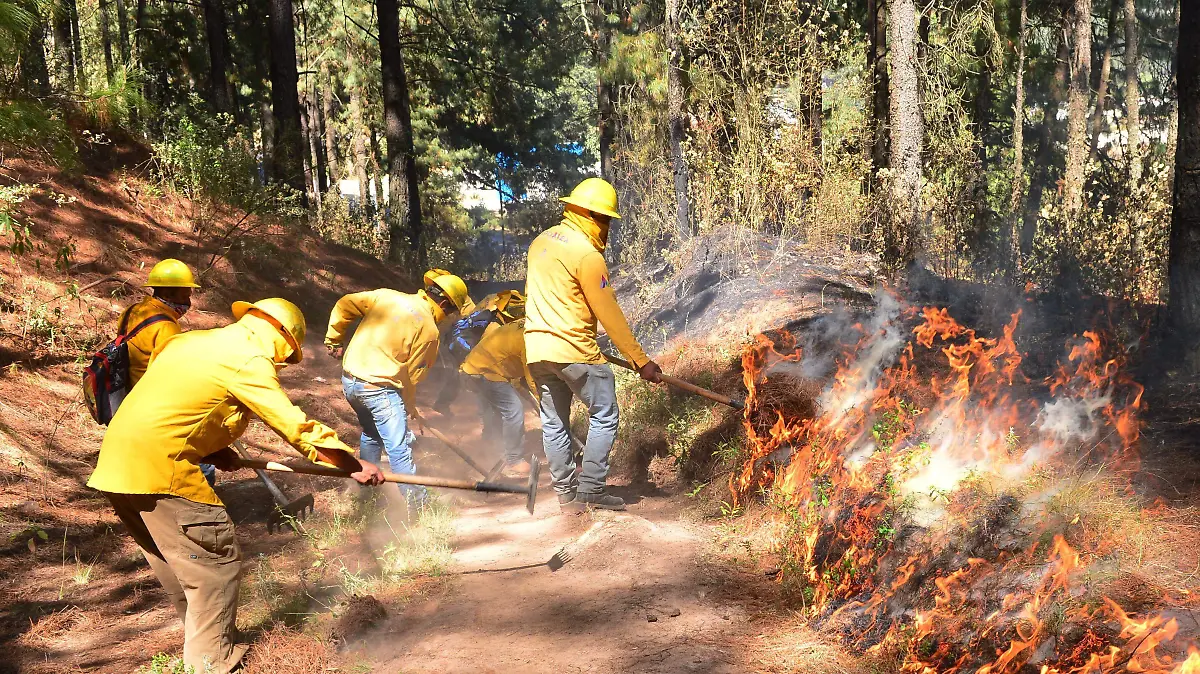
[682, 385]
[287, 511]
[442, 436]
[529, 489]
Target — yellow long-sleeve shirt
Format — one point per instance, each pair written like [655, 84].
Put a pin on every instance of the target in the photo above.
[146, 342]
[396, 341]
[195, 400]
[567, 292]
[500, 355]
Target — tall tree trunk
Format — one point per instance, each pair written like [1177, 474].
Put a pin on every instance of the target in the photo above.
[1172, 93]
[878, 68]
[377, 175]
[285, 99]
[907, 130]
[317, 117]
[329, 123]
[1018, 141]
[676, 93]
[218, 55]
[63, 56]
[307, 130]
[1099, 124]
[35, 75]
[404, 200]
[1048, 133]
[106, 41]
[1133, 92]
[77, 46]
[1077, 110]
[139, 33]
[1183, 269]
[123, 32]
[359, 147]
[268, 140]
[605, 123]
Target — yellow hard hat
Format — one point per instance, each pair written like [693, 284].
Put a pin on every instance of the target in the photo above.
[283, 315]
[171, 273]
[594, 194]
[452, 286]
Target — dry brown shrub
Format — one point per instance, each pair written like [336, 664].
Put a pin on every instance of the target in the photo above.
[285, 651]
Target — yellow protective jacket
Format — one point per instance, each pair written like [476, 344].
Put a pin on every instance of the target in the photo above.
[567, 291]
[195, 400]
[396, 341]
[500, 355]
[146, 342]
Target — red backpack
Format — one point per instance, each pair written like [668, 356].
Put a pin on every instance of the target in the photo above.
[106, 380]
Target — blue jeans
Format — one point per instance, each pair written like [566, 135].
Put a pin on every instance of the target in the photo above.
[384, 420]
[595, 385]
[503, 416]
[210, 473]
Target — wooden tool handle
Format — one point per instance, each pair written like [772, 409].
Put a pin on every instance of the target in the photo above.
[449, 443]
[683, 385]
[423, 480]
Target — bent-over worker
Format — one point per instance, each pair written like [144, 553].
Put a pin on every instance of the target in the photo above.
[390, 353]
[194, 400]
[498, 372]
[568, 292]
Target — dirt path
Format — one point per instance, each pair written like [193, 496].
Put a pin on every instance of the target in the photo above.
[636, 594]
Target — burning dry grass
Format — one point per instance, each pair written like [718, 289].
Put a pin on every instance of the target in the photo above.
[964, 519]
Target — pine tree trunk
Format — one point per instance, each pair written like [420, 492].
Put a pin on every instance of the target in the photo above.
[1018, 141]
[605, 125]
[123, 32]
[1133, 92]
[878, 68]
[63, 57]
[1172, 93]
[1049, 132]
[1183, 268]
[359, 147]
[77, 47]
[377, 175]
[316, 140]
[676, 116]
[329, 123]
[268, 140]
[311, 170]
[404, 200]
[35, 75]
[218, 55]
[1099, 124]
[139, 33]
[907, 130]
[1077, 110]
[285, 99]
[106, 41]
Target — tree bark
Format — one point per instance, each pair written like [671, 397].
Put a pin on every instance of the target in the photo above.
[77, 46]
[1133, 92]
[404, 200]
[139, 33]
[1018, 140]
[311, 179]
[676, 115]
[878, 69]
[377, 175]
[268, 140]
[359, 147]
[123, 32]
[106, 41]
[328, 122]
[1048, 132]
[218, 55]
[1077, 109]
[1099, 124]
[35, 75]
[285, 99]
[317, 142]
[63, 56]
[1183, 270]
[1172, 93]
[605, 126]
[907, 130]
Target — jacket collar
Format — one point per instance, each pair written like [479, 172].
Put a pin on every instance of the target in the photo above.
[579, 220]
[158, 306]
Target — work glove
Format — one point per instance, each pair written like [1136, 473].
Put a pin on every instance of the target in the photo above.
[651, 372]
[223, 459]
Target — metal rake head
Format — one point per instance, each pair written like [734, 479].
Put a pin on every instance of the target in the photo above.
[559, 559]
[291, 514]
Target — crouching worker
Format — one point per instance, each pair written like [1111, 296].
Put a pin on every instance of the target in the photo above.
[497, 371]
[392, 349]
[194, 400]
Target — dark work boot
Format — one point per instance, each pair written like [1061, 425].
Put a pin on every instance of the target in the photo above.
[567, 502]
[602, 500]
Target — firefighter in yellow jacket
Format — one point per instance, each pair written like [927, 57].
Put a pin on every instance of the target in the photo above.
[195, 399]
[498, 372]
[392, 349]
[568, 292]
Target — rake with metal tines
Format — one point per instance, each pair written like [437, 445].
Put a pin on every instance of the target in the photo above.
[285, 511]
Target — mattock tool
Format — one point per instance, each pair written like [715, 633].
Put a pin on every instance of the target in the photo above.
[529, 489]
[684, 385]
[289, 512]
[449, 443]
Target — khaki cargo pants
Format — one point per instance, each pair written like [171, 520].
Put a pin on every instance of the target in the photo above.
[192, 549]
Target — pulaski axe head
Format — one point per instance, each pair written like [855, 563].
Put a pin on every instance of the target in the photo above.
[291, 514]
[534, 474]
